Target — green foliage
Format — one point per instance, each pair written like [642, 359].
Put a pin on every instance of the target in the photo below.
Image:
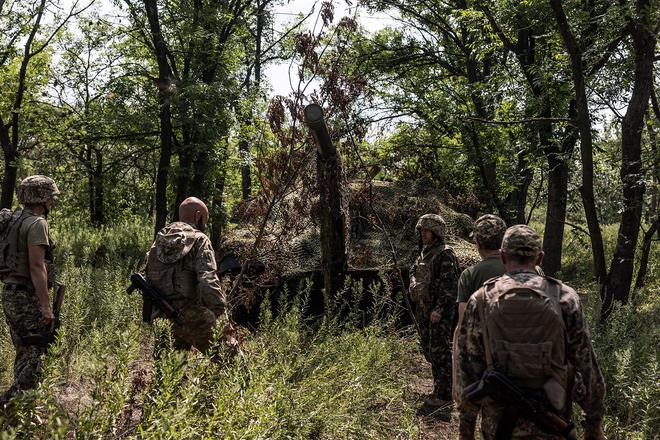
[339, 379]
[627, 345]
[124, 243]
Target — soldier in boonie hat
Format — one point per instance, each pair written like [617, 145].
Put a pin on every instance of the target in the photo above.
[521, 240]
[488, 231]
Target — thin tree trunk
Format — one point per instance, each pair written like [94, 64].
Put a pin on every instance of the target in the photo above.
[632, 176]
[218, 210]
[10, 145]
[9, 179]
[165, 116]
[646, 251]
[99, 213]
[586, 140]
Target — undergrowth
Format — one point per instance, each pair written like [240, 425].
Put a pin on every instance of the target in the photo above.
[333, 377]
[343, 375]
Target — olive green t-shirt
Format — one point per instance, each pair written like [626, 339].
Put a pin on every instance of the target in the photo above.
[33, 232]
[475, 276]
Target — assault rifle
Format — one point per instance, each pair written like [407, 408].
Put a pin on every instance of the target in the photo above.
[516, 403]
[152, 297]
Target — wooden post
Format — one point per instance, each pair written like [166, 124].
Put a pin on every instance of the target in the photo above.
[331, 216]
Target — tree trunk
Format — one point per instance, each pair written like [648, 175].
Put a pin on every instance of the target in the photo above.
[558, 177]
[646, 250]
[10, 145]
[9, 179]
[246, 178]
[99, 213]
[632, 175]
[217, 214]
[165, 116]
[586, 140]
[516, 201]
[87, 151]
[555, 215]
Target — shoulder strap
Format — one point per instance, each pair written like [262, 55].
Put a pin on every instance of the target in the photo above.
[481, 299]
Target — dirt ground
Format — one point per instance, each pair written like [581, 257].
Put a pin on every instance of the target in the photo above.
[441, 424]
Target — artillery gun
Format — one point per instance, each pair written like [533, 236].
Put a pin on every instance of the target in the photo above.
[365, 229]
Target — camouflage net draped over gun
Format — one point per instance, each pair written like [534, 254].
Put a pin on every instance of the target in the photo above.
[292, 244]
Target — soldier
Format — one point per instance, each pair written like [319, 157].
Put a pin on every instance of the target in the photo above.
[535, 333]
[433, 282]
[27, 272]
[487, 234]
[181, 264]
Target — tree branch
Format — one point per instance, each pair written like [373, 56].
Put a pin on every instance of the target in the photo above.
[520, 121]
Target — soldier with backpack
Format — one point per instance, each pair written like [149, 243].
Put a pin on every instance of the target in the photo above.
[26, 268]
[524, 334]
[433, 281]
[181, 265]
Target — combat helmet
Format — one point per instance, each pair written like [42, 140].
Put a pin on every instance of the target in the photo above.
[434, 223]
[37, 190]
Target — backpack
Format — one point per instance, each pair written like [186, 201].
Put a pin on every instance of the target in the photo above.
[10, 226]
[525, 336]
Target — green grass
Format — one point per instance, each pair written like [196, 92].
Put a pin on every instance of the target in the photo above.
[628, 346]
[329, 379]
[335, 378]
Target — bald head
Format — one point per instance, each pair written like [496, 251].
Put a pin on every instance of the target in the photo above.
[192, 210]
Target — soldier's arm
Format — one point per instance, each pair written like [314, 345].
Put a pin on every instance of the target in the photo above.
[37, 241]
[470, 365]
[445, 282]
[208, 284]
[590, 386]
[39, 278]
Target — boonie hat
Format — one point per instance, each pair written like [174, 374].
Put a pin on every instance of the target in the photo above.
[521, 240]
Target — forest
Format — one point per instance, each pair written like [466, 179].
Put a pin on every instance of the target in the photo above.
[544, 112]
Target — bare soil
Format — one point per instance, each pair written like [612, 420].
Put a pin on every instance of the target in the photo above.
[438, 424]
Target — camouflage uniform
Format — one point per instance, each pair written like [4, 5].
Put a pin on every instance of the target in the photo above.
[19, 300]
[433, 283]
[181, 264]
[588, 388]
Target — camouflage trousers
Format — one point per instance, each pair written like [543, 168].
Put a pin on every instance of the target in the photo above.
[197, 331]
[435, 340]
[23, 317]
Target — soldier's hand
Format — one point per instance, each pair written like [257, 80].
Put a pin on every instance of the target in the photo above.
[47, 318]
[435, 317]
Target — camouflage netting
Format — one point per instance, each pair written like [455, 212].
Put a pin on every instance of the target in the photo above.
[398, 205]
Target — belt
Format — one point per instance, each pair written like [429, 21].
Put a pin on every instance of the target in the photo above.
[13, 287]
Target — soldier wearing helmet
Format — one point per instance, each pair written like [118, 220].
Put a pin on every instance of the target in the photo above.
[433, 282]
[27, 272]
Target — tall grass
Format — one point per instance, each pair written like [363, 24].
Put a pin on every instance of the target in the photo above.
[627, 346]
[338, 377]
[343, 375]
